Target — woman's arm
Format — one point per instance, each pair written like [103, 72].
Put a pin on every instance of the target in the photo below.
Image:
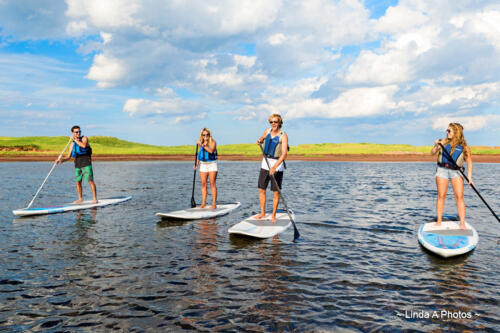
[211, 147]
[469, 165]
[436, 147]
[259, 140]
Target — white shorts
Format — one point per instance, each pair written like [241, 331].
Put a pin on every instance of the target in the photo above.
[208, 166]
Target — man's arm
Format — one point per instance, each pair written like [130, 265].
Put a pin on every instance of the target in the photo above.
[82, 143]
[68, 156]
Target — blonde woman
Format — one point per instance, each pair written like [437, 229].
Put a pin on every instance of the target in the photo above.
[447, 170]
[276, 149]
[207, 160]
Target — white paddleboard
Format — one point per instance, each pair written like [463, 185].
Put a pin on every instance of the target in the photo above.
[69, 207]
[200, 213]
[448, 239]
[263, 228]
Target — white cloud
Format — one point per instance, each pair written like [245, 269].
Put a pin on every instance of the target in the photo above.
[297, 102]
[169, 105]
[469, 96]
[104, 14]
[107, 71]
[485, 23]
[471, 123]
[277, 39]
[76, 28]
[400, 18]
[231, 72]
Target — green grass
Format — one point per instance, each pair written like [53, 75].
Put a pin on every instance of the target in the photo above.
[106, 145]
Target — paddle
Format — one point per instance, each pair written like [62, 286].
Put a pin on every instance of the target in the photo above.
[53, 166]
[295, 231]
[193, 203]
[448, 156]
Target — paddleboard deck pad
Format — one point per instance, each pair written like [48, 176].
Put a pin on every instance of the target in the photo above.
[263, 228]
[200, 213]
[70, 206]
[448, 239]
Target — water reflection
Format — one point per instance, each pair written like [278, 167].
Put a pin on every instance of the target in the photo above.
[453, 290]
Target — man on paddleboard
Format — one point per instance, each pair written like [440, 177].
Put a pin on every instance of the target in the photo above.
[82, 153]
[275, 148]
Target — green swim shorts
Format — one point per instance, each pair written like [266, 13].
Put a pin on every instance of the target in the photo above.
[84, 173]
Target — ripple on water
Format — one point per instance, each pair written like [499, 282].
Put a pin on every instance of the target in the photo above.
[356, 267]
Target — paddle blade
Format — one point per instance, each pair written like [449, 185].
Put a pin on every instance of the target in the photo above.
[193, 203]
[295, 233]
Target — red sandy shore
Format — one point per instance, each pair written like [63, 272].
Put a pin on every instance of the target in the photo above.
[334, 157]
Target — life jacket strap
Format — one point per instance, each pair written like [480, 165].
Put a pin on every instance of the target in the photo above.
[448, 166]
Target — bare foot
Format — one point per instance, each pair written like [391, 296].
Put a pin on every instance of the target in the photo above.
[437, 224]
[95, 201]
[462, 226]
[259, 216]
[202, 206]
[78, 201]
[213, 207]
[273, 219]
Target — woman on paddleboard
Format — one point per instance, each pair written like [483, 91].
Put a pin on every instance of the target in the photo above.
[275, 148]
[82, 153]
[447, 169]
[207, 160]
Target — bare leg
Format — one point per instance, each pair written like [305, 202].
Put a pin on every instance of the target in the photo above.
[94, 190]
[213, 177]
[442, 187]
[276, 200]
[458, 190]
[262, 200]
[79, 192]
[203, 177]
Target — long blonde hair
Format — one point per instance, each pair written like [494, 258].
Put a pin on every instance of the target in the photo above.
[458, 138]
[210, 139]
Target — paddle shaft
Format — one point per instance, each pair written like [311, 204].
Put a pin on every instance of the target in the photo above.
[448, 156]
[193, 202]
[52, 169]
[295, 231]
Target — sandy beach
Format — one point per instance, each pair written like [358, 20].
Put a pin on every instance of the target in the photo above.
[325, 158]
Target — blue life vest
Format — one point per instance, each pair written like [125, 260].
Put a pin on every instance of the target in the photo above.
[79, 151]
[272, 148]
[205, 156]
[457, 156]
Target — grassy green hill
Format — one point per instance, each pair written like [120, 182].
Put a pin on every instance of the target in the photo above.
[106, 145]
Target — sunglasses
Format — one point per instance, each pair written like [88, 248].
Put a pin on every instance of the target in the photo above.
[274, 122]
[205, 135]
[448, 131]
[77, 132]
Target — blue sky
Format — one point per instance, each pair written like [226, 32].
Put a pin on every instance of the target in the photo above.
[157, 71]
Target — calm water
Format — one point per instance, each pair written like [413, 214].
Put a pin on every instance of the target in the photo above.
[356, 267]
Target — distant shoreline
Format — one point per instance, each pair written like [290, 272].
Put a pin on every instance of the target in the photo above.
[403, 157]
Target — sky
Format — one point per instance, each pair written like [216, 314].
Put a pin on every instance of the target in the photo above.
[158, 71]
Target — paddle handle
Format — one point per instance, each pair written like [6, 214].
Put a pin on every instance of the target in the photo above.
[45, 180]
[273, 180]
[448, 156]
[193, 202]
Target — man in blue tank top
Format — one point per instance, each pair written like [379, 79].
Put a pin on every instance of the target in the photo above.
[275, 148]
[82, 153]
